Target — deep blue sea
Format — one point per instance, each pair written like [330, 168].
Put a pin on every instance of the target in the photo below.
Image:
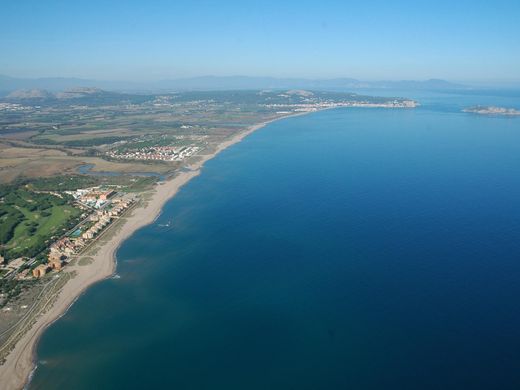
[346, 249]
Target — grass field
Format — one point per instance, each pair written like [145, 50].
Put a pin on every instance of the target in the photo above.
[37, 226]
[30, 163]
[28, 220]
[18, 162]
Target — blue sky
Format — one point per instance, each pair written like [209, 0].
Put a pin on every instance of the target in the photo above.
[455, 40]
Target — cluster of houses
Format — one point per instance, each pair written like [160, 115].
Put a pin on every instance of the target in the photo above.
[13, 107]
[157, 153]
[96, 228]
[94, 197]
[309, 107]
[62, 249]
[103, 218]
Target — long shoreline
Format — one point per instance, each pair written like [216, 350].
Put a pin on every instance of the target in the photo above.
[19, 365]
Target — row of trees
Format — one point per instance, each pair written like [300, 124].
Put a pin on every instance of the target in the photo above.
[10, 219]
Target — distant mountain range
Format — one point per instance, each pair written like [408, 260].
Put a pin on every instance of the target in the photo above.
[80, 94]
[53, 84]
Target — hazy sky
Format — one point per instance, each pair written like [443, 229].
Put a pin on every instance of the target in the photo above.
[456, 40]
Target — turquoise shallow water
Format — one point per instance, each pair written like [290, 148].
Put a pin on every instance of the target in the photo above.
[352, 248]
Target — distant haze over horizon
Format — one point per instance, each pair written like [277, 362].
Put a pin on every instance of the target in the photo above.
[128, 83]
[9, 84]
[157, 79]
[377, 40]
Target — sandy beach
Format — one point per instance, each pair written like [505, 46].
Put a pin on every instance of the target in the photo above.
[16, 370]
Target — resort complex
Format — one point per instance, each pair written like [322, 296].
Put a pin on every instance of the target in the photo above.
[98, 207]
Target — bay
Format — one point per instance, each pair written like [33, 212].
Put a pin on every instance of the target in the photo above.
[350, 248]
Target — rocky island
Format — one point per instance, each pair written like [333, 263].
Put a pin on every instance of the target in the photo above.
[492, 110]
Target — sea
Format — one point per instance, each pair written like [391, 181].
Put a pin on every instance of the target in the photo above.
[346, 249]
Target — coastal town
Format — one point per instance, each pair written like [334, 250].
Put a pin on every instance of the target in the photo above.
[157, 153]
[310, 107]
